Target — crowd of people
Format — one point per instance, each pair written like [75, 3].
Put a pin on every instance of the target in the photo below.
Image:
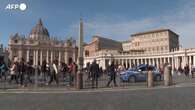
[24, 73]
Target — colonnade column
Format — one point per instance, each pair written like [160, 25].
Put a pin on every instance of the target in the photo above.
[153, 61]
[150, 61]
[176, 62]
[160, 61]
[190, 64]
[130, 63]
[157, 63]
[164, 60]
[66, 57]
[142, 62]
[193, 60]
[126, 62]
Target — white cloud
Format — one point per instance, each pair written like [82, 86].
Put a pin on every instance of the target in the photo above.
[182, 21]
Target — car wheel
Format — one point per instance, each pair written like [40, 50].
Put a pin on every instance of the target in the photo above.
[132, 79]
[158, 78]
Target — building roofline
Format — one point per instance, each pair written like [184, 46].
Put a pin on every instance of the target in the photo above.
[96, 36]
[153, 31]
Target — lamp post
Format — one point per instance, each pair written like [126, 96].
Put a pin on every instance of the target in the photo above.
[79, 84]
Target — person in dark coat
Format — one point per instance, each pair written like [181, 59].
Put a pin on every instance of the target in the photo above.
[44, 71]
[112, 74]
[94, 69]
[21, 71]
[186, 70]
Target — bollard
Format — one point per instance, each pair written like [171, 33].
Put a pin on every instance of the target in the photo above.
[167, 76]
[150, 80]
[79, 80]
[36, 77]
[193, 74]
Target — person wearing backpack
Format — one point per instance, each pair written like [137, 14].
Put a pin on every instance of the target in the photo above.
[3, 69]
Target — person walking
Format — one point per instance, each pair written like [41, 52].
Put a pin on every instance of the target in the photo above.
[43, 71]
[28, 73]
[64, 70]
[21, 71]
[13, 73]
[71, 71]
[3, 70]
[112, 74]
[54, 72]
[186, 70]
[88, 71]
[94, 69]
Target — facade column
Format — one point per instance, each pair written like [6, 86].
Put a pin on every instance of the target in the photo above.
[37, 57]
[34, 57]
[41, 57]
[51, 57]
[27, 55]
[47, 57]
[20, 54]
[59, 59]
[74, 55]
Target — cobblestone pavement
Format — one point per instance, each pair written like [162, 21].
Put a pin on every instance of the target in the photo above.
[177, 98]
[134, 96]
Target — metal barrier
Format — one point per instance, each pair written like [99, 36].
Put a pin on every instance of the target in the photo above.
[38, 81]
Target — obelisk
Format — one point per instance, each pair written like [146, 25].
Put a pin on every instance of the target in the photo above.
[79, 84]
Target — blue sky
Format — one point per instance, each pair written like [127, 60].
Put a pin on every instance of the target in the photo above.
[116, 19]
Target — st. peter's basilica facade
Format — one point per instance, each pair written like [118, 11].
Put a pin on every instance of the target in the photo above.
[40, 46]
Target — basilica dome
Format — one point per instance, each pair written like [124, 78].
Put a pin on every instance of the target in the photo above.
[39, 32]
